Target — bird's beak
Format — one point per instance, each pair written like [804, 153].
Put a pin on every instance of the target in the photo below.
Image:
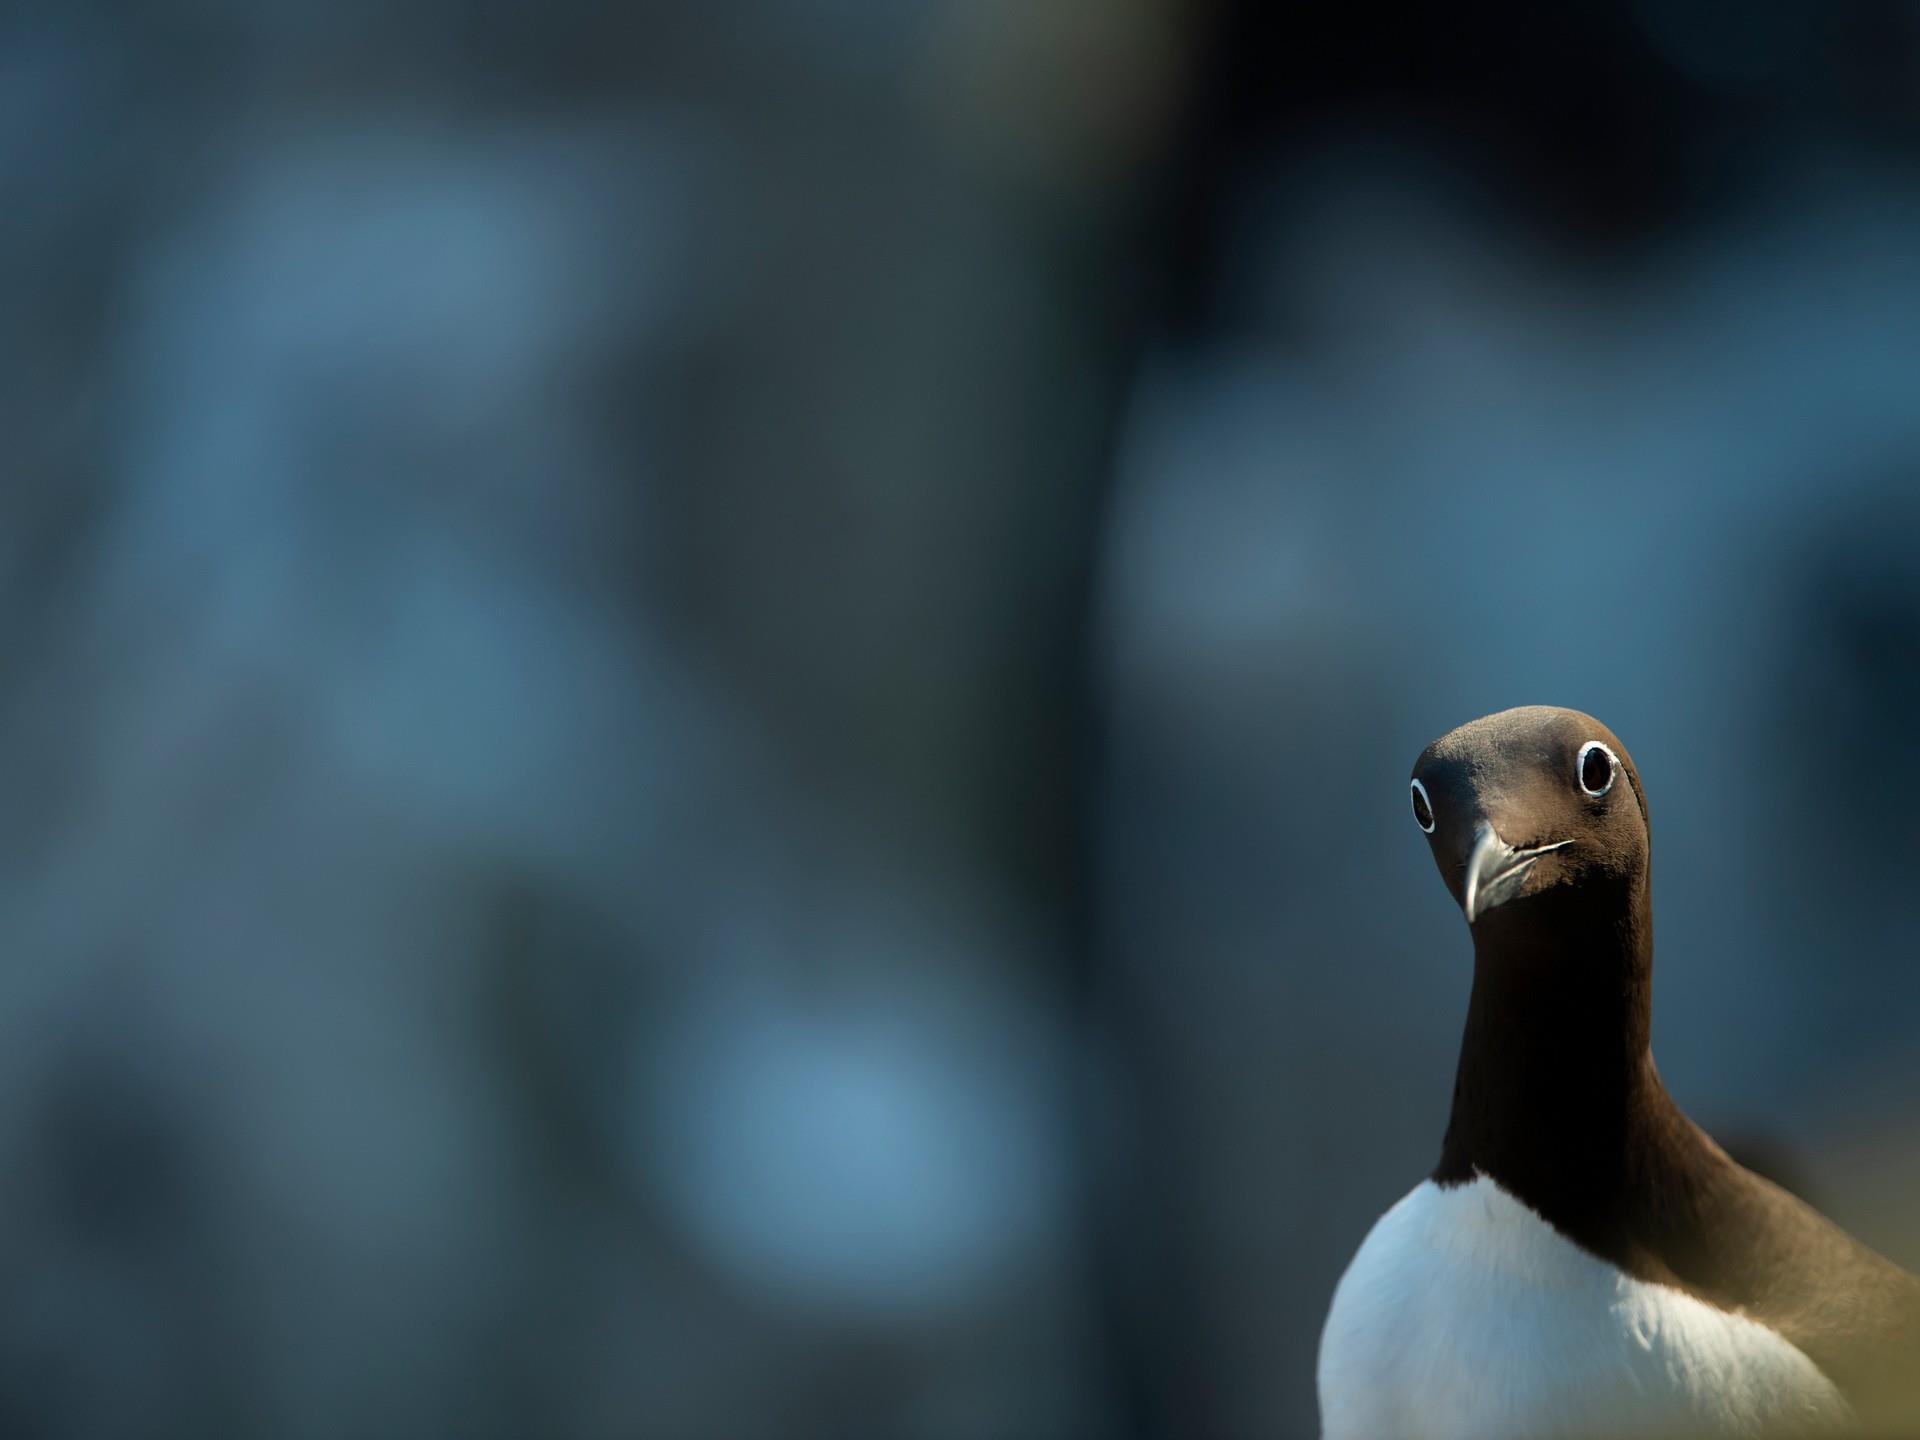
[1495, 870]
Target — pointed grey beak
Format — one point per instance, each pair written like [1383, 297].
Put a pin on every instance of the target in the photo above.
[1495, 870]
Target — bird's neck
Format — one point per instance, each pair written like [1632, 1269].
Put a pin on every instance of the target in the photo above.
[1556, 1089]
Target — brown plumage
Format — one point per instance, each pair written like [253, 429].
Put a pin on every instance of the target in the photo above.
[1557, 1098]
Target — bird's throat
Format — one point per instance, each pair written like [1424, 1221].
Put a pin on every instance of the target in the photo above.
[1556, 1085]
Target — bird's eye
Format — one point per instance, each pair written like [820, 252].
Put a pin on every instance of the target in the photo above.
[1596, 768]
[1422, 808]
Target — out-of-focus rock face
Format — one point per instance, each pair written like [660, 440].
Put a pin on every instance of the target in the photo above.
[545, 558]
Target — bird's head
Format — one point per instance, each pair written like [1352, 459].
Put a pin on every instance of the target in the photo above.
[1528, 804]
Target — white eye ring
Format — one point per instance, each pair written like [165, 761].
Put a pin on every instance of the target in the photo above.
[1580, 767]
[1421, 798]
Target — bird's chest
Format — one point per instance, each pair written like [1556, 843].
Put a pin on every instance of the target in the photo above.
[1465, 1314]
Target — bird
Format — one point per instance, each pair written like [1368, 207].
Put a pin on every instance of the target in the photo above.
[1584, 1260]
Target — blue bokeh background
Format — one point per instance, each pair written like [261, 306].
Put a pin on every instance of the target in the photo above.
[704, 708]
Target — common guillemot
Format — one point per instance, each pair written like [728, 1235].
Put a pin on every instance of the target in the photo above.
[1584, 1260]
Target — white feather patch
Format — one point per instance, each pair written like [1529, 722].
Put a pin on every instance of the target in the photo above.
[1464, 1314]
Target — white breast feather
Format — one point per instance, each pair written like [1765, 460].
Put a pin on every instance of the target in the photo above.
[1464, 1314]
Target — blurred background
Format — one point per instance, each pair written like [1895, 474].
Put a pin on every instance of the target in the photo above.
[704, 708]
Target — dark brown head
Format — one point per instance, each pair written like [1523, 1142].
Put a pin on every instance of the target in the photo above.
[1531, 810]
[1539, 828]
